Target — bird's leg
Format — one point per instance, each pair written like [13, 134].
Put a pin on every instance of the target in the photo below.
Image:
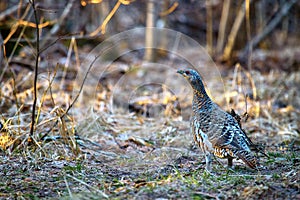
[208, 160]
[230, 166]
[229, 162]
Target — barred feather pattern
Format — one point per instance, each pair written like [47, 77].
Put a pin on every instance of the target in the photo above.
[214, 130]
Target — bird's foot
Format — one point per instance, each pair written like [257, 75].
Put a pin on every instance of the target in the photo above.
[210, 172]
[261, 168]
[230, 168]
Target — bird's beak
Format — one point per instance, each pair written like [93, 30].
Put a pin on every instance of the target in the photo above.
[182, 73]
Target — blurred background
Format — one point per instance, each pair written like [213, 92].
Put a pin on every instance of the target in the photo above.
[229, 30]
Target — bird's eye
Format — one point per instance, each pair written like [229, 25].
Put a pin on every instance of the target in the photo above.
[187, 72]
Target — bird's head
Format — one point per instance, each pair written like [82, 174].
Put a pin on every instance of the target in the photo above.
[191, 75]
[194, 79]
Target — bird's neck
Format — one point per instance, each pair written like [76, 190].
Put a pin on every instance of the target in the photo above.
[200, 100]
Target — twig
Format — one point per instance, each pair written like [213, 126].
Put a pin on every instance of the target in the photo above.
[9, 11]
[89, 186]
[68, 187]
[102, 28]
[68, 60]
[16, 101]
[169, 10]
[46, 91]
[57, 26]
[234, 31]
[268, 29]
[209, 25]
[66, 12]
[206, 194]
[76, 97]
[36, 67]
[12, 31]
[67, 36]
[248, 31]
[223, 25]
[81, 86]
[15, 26]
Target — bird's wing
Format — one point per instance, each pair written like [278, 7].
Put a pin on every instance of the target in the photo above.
[232, 136]
[250, 144]
[235, 141]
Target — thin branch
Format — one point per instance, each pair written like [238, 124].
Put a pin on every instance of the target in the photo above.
[67, 36]
[15, 26]
[169, 10]
[36, 67]
[234, 32]
[59, 23]
[17, 41]
[87, 185]
[65, 13]
[223, 25]
[248, 31]
[81, 87]
[9, 11]
[268, 29]
[102, 28]
[76, 97]
[209, 29]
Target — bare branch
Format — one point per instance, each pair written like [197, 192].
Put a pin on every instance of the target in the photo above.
[9, 11]
[223, 25]
[209, 24]
[36, 67]
[102, 28]
[76, 97]
[234, 31]
[268, 29]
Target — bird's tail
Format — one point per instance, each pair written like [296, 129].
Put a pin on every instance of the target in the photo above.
[248, 158]
[253, 147]
[258, 149]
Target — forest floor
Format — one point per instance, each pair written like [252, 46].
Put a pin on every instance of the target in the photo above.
[146, 151]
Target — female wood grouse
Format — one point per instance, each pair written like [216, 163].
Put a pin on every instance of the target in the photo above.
[214, 130]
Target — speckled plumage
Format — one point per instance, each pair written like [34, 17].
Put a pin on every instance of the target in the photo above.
[215, 131]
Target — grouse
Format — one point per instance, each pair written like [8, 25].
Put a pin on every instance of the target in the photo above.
[215, 131]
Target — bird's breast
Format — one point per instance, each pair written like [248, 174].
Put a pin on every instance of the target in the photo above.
[201, 137]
